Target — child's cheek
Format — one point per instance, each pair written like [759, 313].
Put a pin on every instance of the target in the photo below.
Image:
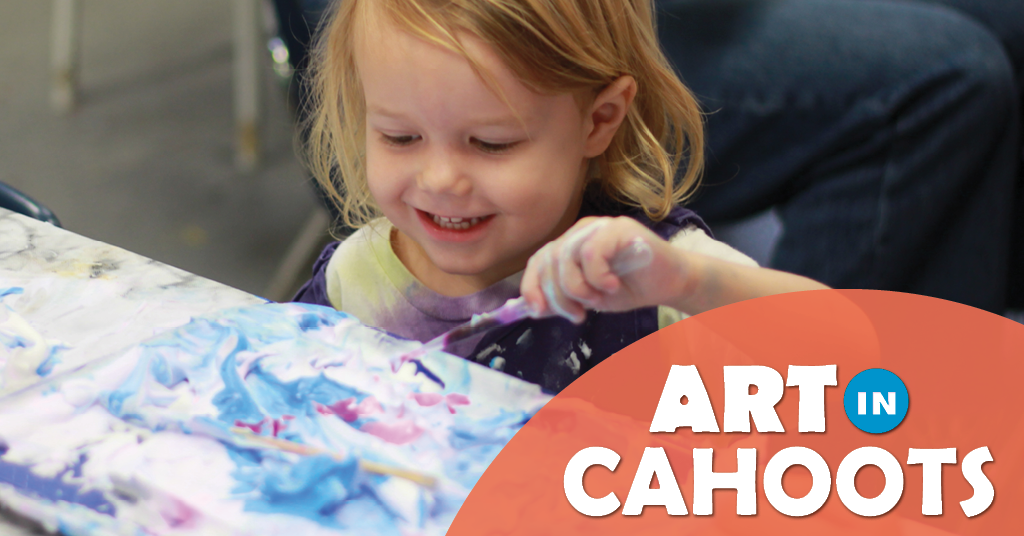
[380, 177]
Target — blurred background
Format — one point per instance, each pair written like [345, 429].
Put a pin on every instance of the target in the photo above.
[147, 159]
[154, 156]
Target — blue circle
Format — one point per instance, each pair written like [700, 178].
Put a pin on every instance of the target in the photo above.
[876, 401]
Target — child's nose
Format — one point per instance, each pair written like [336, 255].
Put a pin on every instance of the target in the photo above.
[441, 174]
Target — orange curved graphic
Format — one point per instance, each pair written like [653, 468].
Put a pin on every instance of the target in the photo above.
[961, 367]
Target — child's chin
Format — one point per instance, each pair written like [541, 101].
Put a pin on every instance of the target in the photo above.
[456, 268]
[455, 264]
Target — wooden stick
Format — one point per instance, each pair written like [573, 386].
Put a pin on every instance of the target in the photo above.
[285, 445]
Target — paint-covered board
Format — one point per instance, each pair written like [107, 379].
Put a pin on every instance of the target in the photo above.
[81, 299]
[265, 419]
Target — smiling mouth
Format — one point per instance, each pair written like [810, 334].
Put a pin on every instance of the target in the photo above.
[456, 224]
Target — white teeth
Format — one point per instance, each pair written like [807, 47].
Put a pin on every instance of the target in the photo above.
[454, 223]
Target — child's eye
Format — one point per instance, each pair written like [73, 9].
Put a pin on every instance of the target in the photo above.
[399, 141]
[494, 148]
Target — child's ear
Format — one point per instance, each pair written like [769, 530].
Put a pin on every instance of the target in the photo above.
[606, 113]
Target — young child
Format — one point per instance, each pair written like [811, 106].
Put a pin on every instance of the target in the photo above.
[496, 148]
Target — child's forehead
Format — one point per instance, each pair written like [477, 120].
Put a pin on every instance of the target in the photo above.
[397, 53]
[425, 80]
[378, 29]
[386, 45]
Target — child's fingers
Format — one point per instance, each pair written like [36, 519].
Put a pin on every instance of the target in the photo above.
[636, 255]
[596, 268]
[570, 274]
[577, 271]
[550, 285]
[617, 251]
[579, 234]
[574, 281]
[529, 287]
[573, 284]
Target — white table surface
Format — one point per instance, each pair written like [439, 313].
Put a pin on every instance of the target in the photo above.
[93, 299]
[119, 298]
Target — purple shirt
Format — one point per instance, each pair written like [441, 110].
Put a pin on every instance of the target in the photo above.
[551, 352]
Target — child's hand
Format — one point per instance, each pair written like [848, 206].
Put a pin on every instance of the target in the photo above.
[605, 264]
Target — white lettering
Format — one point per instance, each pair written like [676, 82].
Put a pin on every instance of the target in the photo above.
[811, 382]
[932, 460]
[672, 413]
[654, 462]
[705, 481]
[741, 406]
[573, 481]
[879, 402]
[984, 493]
[821, 481]
[847, 473]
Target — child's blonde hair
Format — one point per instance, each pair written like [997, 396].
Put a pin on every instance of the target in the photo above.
[552, 46]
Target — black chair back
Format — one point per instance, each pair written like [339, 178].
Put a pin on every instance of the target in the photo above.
[16, 201]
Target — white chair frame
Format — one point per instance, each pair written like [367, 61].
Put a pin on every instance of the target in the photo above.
[65, 61]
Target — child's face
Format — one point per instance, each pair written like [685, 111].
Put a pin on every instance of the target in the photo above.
[440, 144]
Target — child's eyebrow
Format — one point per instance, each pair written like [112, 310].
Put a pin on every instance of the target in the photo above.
[376, 110]
[497, 121]
[504, 121]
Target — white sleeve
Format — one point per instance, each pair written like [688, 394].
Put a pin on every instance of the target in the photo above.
[694, 239]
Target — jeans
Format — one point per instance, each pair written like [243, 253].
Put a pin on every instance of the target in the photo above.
[884, 133]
